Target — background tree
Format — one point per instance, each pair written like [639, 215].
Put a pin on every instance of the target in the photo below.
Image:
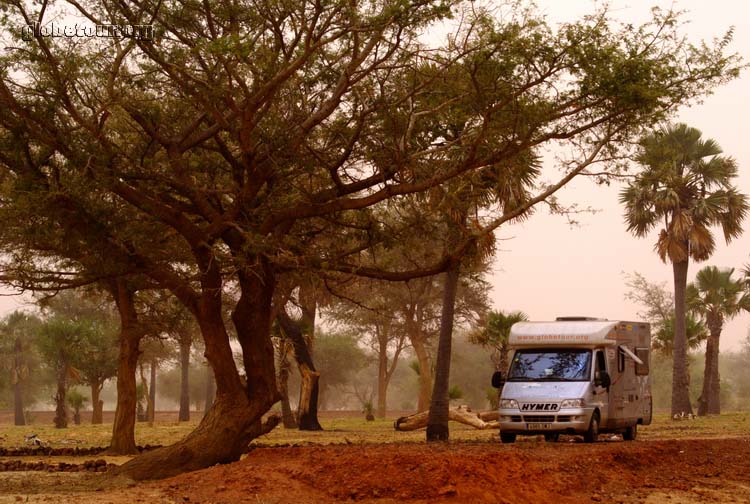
[76, 400]
[494, 332]
[57, 342]
[19, 360]
[717, 297]
[659, 312]
[686, 184]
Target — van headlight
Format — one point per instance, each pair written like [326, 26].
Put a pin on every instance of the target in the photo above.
[508, 404]
[572, 403]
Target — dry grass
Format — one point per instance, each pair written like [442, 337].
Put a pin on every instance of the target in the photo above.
[353, 428]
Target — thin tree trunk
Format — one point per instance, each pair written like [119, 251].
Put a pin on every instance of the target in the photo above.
[382, 371]
[680, 375]
[307, 414]
[61, 409]
[151, 411]
[425, 372]
[437, 423]
[186, 341]
[17, 379]
[287, 416]
[210, 389]
[714, 383]
[704, 399]
[97, 405]
[123, 430]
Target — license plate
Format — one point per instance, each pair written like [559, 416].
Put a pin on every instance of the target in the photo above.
[538, 426]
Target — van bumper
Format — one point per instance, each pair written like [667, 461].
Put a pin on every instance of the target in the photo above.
[564, 421]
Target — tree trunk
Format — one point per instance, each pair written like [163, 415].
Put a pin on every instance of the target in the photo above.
[307, 414]
[710, 400]
[210, 389]
[287, 416]
[234, 419]
[97, 405]
[680, 376]
[462, 414]
[123, 430]
[425, 372]
[186, 341]
[61, 407]
[437, 423]
[17, 379]
[151, 410]
[382, 372]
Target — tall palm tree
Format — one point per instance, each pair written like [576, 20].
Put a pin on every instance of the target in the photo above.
[717, 297]
[686, 185]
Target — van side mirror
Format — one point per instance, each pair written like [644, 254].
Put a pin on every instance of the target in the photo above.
[602, 379]
[498, 380]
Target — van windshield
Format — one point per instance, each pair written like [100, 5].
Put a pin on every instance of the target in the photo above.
[550, 365]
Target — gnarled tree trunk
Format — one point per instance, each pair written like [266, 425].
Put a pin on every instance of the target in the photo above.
[282, 364]
[234, 419]
[307, 414]
[210, 389]
[462, 414]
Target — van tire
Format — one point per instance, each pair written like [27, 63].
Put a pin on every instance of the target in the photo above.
[552, 437]
[630, 433]
[507, 438]
[591, 435]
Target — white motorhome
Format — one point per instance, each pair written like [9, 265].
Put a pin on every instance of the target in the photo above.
[576, 375]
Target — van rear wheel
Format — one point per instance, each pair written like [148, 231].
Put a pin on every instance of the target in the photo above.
[507, 437]
[552, 437]
[591, 435]
[630, 433]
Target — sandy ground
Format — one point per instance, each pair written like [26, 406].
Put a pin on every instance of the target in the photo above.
[677, 471]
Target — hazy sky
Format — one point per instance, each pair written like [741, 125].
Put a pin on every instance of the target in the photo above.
[547, 268]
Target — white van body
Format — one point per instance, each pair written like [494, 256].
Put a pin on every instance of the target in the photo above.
[576, 375]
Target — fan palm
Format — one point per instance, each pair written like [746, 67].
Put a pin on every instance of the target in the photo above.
[663, 337]
[686, 186]
[717, 297]
[495, 334]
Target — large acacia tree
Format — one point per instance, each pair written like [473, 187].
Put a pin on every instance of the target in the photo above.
[687, 185]
[251, 139]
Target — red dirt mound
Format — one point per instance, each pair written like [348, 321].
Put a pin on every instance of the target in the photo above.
[713, 470]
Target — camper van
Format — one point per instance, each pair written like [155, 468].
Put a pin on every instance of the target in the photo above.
[575, 375]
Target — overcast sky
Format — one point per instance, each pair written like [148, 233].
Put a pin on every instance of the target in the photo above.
[547, 268]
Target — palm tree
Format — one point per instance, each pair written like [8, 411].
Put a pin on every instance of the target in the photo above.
[495, 333]
[663, 338]
[686, 185]
[717, 297]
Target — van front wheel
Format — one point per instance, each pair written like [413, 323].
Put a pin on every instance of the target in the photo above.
[507, 438]
[552, 437]
[591, 435]
[630, 433]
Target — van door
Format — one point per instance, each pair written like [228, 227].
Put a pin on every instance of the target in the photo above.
[601, 394]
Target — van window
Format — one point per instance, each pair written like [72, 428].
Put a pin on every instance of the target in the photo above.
[621, 361]
[642, 369]
[551, 365]
[600, 362]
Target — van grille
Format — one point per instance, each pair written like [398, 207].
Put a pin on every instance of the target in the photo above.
[539, 418]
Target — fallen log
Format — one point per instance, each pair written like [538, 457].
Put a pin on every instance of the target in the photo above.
[462, 414]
